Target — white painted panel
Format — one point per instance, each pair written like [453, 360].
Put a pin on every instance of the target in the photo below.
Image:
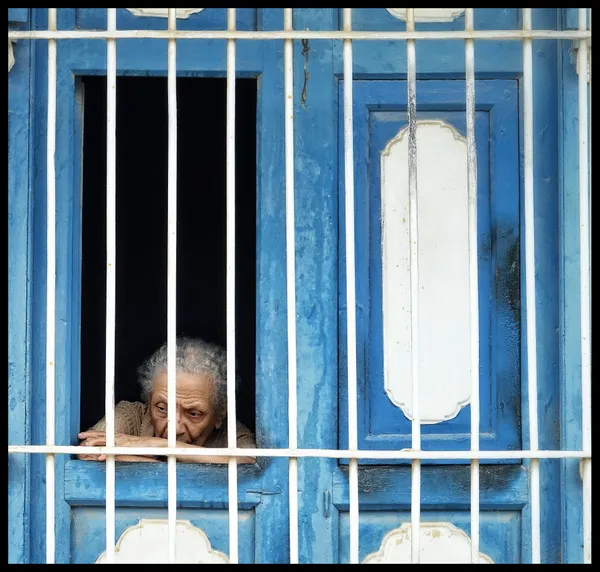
[181, 13]
[147, 543]
[441, 543]
[445, 384]
[11, 56]
[428, 14]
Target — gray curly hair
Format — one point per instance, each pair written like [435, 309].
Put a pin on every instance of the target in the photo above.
[193, 356]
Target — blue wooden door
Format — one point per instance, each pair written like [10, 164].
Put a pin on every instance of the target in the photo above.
[380, 120]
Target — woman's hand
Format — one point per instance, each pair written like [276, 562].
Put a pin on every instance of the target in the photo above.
[98, 439]
[92, 439]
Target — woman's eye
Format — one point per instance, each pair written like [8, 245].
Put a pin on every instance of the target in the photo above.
[195, 414]
[161, 409]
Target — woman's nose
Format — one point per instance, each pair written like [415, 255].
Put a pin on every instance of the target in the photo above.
[180, 428]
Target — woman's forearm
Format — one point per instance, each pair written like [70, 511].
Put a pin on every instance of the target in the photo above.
[213, 459]
[135, 459]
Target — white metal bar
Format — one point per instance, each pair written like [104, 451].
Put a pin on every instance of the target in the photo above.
[51, 289]
[111, 259]
[473, 279]
[415, 502]
[288, 55]
[494, 35]
[231, 345]
[172, 285]
[530, 286]
[316, 453]
[350, 288]
[584, 253]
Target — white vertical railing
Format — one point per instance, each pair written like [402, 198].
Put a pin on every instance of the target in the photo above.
[585, 255]
[415, 500]
[350, 289]
[473, 279]
[231, 402]
[50, 288]
[530, 286]
[290, 257]
[172, 285]
[111, 259]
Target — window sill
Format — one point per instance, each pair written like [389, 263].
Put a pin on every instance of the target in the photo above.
[145, 484]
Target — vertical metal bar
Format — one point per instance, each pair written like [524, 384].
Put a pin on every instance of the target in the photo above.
[415, 501]
[584, 254]
[50, 288]
[530, 285]
[172, 285]
[473, 279]
[111, 258]
[231, 402]
[291, 281]
[350, 288]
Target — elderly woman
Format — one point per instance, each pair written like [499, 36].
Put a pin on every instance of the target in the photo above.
[201, 407]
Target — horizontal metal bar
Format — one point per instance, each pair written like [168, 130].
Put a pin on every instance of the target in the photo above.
[298, 35]
[293, 453]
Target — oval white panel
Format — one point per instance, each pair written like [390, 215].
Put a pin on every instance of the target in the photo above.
[440, 543]
[148, 543]
[428, 14]
[181, 13]
[444, 377]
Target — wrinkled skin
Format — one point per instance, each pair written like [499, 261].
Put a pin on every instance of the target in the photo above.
[196, 419]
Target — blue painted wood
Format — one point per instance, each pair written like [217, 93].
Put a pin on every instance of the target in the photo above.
[195, 58]
[380, 113]
[18, 15]
[507, 65]
[208, 19]
[500, 531]
[546, 160]
[316, 281]
[448, 487]
[263, 492]
[483, 19]
[569, 308]
[85, 484]
[68, 144]
[149, 58]
[387, 60]
[38, 136]
[383, 418]
[571, 18]
[545, 137]
[19, 308]
[435, 59]
[88, 540]
[272, 515]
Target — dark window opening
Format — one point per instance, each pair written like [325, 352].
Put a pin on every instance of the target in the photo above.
[141, 281]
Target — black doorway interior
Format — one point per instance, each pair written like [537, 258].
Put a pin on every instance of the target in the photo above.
[141, 315]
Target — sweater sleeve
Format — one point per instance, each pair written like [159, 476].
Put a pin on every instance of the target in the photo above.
[245, 437]
[128, 418]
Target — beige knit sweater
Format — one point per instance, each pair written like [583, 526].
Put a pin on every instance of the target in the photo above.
[133, 418]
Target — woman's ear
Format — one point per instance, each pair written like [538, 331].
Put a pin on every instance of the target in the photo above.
[220, 419]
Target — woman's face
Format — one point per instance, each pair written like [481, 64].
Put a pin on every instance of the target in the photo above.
[194, 398]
